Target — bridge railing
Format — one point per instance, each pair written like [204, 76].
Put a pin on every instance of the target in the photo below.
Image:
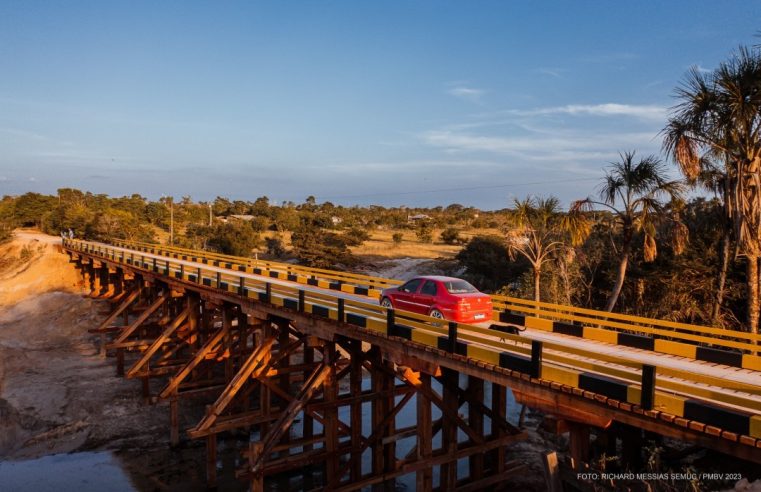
[730, 347]
[726, 404]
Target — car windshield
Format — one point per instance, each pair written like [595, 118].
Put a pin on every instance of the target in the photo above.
[459, 287]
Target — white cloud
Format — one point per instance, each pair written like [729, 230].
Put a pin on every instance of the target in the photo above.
[563, 146]
[645, 112]
[466, 93]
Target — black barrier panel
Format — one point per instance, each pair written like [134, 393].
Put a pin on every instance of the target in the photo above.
[361, 291]
[192, 278]
[567, 329]
[258, 271]
[207, 282]
[460, 347]
[505, 329]
[229, 265]
[637, 341]
[290, 303]
[216, 263]
[223, 285]
[718, 356]
[731, 420]
[177, 274]
[354, 319]
[335, 286]
[241, 268]
[312, 281]
[516, 319]
[321, 311]
[515, 363]
[263, 296]
[604, 386]
[274, 274]
[401, 331]
[292, 278]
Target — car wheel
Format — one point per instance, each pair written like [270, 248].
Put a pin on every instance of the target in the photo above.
[386, 303]
[435, 313]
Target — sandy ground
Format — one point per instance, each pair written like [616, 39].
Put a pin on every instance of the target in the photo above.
[57, 395]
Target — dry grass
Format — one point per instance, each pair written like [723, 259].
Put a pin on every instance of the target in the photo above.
[381, 244]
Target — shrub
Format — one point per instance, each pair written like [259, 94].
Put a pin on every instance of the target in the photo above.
[424, 233]
[450, 235]
[397, 238]
[274, 246]
[356, 236]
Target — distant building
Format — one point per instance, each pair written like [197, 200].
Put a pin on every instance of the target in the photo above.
[245, 218]
[336, 220]
[417, 218]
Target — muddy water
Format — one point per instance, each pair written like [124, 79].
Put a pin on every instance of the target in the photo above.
[81, 472]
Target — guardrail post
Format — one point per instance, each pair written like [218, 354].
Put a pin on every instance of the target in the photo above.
[155, 269]
[341, 309]
[536, 359]
[182, 271]
[452, 337]
[219, 279]
[241, 286]
[302, 301]
[199, 279]
[268, 292]
[648, 387]
[390, 321]
[166, 267]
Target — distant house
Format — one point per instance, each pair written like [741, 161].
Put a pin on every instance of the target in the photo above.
[245, 218]
[336, 220]
[417, 218]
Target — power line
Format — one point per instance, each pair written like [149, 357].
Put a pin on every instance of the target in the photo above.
[469, 188]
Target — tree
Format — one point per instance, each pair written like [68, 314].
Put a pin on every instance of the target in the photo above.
[634, 193]
[538, 232]
[450, 235]
[719, 118]
[487, 263]
[236, 239]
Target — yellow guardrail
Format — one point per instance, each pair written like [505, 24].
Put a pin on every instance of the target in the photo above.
[726, 404]
[729, 347]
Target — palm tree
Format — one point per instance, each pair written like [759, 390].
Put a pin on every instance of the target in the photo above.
[634, 193]
[539, 231]
[719, 118]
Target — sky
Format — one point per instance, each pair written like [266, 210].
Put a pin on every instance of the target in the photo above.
[417, 103]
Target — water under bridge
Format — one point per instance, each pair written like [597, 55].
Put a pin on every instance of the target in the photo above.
[340, 393]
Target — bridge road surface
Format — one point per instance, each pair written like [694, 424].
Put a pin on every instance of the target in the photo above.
[731, 374]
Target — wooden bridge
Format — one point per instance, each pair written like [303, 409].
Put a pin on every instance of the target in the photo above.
[318, 375]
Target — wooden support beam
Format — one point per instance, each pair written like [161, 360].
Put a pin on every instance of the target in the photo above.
[424, 476]
[476, 421]
[315, 380]
[256, 364]
[137, 368]
[212, 345]
[140, 319]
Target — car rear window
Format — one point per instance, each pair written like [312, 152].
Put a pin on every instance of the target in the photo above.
[459, 287]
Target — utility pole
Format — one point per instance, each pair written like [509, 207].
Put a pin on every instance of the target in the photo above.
[210, 215]
[171, 221]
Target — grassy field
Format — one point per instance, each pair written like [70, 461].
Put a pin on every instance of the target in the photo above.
[382, 245]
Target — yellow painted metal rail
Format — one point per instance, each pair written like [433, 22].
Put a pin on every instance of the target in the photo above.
[718, 345]
[722, 403]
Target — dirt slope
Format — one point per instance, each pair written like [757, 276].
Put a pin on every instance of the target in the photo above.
[31, 264]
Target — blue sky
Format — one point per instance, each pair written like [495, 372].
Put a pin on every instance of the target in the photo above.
[416, 103]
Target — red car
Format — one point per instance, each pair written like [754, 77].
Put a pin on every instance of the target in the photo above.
[448, 298]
